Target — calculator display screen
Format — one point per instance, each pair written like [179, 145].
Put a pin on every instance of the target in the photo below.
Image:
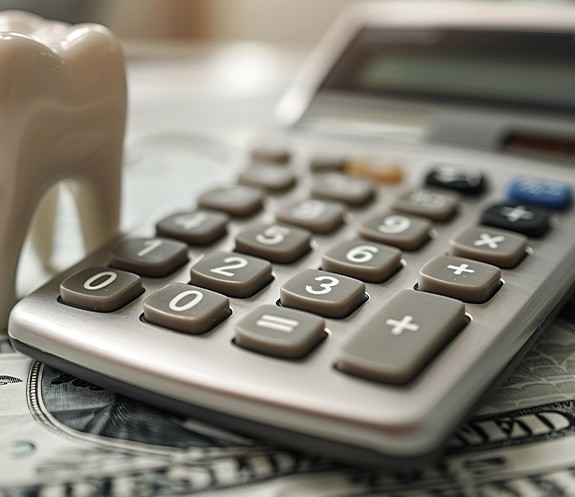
[519, 69]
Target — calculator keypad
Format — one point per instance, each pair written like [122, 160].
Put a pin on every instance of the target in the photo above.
[404, 331]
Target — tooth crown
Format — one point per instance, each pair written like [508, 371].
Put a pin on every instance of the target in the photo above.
[62, 116]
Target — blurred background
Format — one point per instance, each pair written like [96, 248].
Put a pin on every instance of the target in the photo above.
[298, 22]
[286, 23]
[278, 21]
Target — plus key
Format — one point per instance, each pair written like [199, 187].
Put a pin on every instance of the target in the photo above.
[397, 352]
[405, 324]
[464, 279]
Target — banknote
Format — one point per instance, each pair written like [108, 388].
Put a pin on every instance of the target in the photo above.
[62, 436]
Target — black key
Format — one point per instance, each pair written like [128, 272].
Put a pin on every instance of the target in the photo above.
[465, 180]
[530, 221]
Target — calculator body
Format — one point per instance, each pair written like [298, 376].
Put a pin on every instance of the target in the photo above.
[387, 70]
[309, 403]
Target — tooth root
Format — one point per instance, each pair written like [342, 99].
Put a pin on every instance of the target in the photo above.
[42, 228]
[98, 199]
[62, 116]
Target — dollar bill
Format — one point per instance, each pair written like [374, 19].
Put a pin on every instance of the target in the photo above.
[61, 436]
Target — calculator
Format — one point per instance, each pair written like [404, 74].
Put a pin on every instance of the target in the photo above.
[360, 282]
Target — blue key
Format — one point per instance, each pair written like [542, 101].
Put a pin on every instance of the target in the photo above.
[540, 192]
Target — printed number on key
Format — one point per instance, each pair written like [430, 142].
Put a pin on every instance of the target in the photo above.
[361, 254]
[233, 263]
[273, 235]
[394, 225]
[325, 287]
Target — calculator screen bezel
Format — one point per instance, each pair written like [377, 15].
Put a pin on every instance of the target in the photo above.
[482, 67]
[423, 19]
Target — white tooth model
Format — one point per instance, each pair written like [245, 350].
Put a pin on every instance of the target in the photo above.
[62, 116]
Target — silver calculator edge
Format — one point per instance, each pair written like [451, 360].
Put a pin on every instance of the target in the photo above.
[416, 418]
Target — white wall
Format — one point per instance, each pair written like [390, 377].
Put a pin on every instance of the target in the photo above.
[281, 21]
[299, 21]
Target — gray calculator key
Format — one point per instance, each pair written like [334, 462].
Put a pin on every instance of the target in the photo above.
[237, 200]
[232, 274]
[498, 247]
[101, 289]
[318, 216]
[399, 230]
[426, 203]
[186, 308]
[155, 257]
[279, 332]
[343, 188]
[328, 162]
[402, 337]
[274, 242]
[319, 292]
[271, 155]
[465, 279]
[366, 261]
[195, 228]
[272, 178]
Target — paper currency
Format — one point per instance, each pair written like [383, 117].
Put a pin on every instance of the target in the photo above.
[60, 436]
